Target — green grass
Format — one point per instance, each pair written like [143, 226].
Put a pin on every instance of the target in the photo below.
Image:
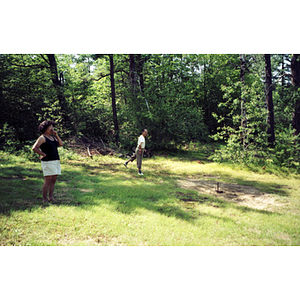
[100, 202]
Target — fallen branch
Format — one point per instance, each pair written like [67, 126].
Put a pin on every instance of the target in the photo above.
[89, 153]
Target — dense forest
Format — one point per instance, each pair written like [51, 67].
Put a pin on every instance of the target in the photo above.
[248, 102]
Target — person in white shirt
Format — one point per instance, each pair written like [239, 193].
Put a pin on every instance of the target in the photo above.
[139, 151]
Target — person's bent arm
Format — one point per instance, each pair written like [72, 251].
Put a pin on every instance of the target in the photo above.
[36, 146]
[60, 143]
[140, 148]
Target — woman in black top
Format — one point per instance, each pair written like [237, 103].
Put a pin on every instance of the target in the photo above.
[46, 146]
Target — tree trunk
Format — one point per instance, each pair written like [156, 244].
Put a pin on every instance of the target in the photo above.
[295, 70]
[59, 89]
[133, 78]
[113, 98]
[140, 65]
[282, 70]
[269, 100]
[243, 101]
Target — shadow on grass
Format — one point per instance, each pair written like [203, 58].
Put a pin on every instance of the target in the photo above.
[21, 188]
[96, 185]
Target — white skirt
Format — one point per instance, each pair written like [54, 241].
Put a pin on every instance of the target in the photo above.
[51, 167]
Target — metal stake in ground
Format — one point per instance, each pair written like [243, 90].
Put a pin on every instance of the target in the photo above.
[218, 188]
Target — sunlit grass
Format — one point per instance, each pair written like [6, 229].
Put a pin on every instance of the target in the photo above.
[100, 202]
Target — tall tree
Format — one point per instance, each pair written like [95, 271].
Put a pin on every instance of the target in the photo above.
[133, 77]
[243, 100]
[140, 63]
[24, 89]
[60, 93]
[269, 100]
[113, 98]
[295, 70]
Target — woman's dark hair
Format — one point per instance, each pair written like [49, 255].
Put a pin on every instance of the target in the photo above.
[44, 125]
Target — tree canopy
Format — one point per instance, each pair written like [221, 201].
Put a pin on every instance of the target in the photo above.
[249, 101]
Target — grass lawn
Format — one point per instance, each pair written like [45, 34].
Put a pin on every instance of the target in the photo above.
[101, 203]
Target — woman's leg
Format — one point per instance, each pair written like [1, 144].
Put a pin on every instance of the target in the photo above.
[51, 189]
[46, 187]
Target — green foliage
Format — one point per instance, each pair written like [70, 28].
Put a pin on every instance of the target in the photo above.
[8, 139]
[168, 106]
[248, 144]
[287, 149]
[27, 153]
[27, 95]
[179, 98]
[285, 152]
[237, 152]
[68, 154]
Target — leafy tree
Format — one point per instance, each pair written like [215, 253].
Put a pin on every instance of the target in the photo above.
[113, 97]
[269, 100]
[25, 88]
[295, 70]
[179, 98]
[57, 81]
[246, 137]
[88, 94]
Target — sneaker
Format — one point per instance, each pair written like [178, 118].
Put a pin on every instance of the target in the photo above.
[125, 164]
[140, 173]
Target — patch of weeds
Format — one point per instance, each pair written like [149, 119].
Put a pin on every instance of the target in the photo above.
[188, 197]
[174, 211]
[124, 208]
[151, 199]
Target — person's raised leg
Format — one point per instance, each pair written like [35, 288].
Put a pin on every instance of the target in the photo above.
[132, 158]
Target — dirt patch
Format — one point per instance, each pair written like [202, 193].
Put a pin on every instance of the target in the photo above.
[232, 192]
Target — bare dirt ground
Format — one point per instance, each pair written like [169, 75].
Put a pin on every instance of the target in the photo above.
[232, 192]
